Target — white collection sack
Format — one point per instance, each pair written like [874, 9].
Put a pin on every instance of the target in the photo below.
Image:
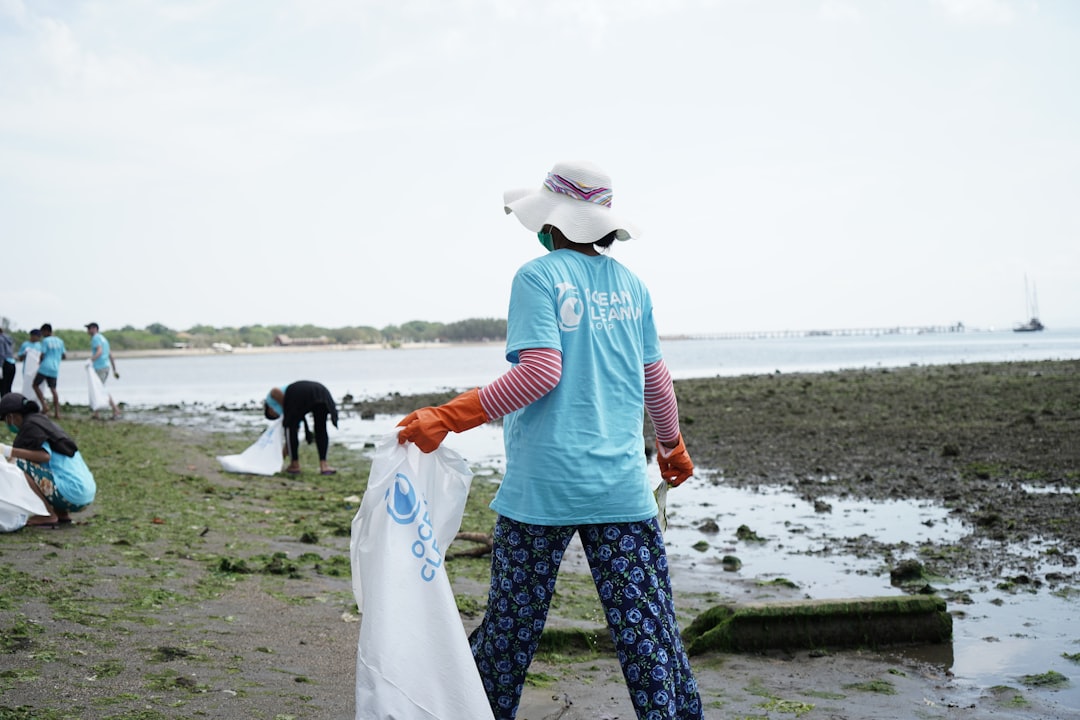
[30, 368]
[413, 660]
[17, 501]
[99, 398]
[263, 457]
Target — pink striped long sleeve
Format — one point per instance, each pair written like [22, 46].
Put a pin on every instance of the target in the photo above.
[660, 402]
[537, 374]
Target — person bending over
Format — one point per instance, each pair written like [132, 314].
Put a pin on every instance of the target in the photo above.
[49, 458]
[293, 403]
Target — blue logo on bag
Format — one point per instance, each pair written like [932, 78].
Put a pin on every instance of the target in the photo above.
[404, 505]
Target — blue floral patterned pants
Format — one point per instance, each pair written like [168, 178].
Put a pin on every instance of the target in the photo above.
[629, 567]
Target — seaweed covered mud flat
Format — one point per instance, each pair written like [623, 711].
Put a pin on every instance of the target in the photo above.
[187, 592]
[972, 436]
[996, 444]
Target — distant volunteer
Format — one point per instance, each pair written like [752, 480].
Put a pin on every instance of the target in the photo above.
[102, 359]
[33, 343]
[293, 403]
[7, 358]
[50, 459]
[53, 351]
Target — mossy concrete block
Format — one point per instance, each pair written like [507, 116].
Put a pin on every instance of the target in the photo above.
[857, 622]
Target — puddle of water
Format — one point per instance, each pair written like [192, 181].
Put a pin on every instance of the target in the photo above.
[798, 541]
[1003, 635]
[1049, 490]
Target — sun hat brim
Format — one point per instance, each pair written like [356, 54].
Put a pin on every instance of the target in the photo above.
[581, 222]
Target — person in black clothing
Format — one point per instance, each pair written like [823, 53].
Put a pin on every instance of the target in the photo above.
[293, 402]
[7, 360]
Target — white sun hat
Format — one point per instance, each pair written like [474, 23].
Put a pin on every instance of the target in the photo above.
[576, 198]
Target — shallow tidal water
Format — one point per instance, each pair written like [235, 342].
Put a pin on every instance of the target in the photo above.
[999, 637]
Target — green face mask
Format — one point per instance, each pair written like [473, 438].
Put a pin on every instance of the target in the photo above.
[546, 240]
[13, 428]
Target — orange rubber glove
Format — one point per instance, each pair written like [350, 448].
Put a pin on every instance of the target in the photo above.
[675, 464]
[427, 427]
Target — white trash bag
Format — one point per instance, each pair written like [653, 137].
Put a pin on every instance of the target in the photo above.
[99, 397]
[263, 457]
[17, 501]
[30, 368]
[413, 659]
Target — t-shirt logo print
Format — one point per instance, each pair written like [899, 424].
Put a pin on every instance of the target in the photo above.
[571, 309]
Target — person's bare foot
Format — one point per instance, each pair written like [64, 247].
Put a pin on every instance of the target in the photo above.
[43, 520]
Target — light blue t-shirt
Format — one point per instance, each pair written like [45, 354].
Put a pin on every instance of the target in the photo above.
[99, 340]
[52, 352]
[577, 455]
[72, 477]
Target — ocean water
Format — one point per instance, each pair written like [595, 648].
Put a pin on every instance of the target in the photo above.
[996, 640]
[237, 378]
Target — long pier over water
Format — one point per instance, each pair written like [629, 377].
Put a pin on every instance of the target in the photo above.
[845, 332]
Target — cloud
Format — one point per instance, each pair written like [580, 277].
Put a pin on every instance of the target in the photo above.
[774, 154]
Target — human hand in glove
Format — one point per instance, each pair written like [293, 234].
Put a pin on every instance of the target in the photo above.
[116, 374]
[427, 427]
[5, 450]
[675, 464]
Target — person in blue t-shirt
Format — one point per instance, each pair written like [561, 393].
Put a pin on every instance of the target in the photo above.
[32, 343]
[49, 459]
[102, 361]
[586, 367]
[53, 351]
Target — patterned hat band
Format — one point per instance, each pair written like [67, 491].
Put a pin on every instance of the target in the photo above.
[560, 184]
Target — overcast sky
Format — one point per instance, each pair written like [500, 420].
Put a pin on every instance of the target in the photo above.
[793, 164]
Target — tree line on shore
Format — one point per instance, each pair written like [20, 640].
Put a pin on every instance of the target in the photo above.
[158, 336]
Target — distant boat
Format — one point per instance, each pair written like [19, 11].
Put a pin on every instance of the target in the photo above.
[1032, 300]
[1032, 325]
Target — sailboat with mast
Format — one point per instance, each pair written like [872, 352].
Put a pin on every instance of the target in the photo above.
[1032, 300]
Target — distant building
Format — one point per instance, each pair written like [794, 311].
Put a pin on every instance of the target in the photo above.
[286, 341]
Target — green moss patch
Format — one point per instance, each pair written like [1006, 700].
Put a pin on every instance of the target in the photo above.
[869, 622]
[1050, 679]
